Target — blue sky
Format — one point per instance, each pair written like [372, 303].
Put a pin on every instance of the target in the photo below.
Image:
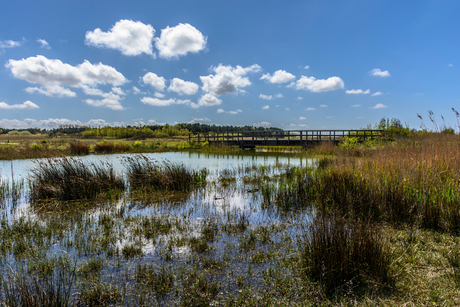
[289, 64]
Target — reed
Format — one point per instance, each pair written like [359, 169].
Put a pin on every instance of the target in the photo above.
[71, 179]
[346, 257]
[412, 181]
[144, 172]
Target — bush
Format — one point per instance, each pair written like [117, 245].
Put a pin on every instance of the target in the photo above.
[349, 143]
[104, 147]
[121, 147]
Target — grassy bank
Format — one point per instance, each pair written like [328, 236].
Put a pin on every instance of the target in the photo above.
[30, 147]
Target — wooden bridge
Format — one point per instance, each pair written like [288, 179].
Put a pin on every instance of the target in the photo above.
[302, 138]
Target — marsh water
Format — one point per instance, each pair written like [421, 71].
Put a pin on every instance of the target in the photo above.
[221, 232]
[196, 160]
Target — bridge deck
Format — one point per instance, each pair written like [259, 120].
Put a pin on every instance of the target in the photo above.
[301, 138]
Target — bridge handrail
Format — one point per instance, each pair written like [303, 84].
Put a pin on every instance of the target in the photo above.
[276, 134]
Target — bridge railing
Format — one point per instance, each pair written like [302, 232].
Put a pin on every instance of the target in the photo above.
[280, 135]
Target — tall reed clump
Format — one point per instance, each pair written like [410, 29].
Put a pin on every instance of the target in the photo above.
[411, 181]
[78, 148]
[346, 257]
[144, 172]
[71, 179]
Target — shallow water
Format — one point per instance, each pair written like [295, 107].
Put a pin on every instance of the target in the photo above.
[230, 203]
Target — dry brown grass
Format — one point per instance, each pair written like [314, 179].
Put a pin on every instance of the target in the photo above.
[415, 180]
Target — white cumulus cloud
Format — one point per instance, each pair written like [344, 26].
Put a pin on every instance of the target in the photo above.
[379, 73]
[130, 37]
[54, 74]
[266, 107]
[109, 100]
[152, 79]
[319, 85]
[25, 105]
[302, 118]
[227, 79]
[180, 40]
[377, 94]
[280, 76]
[359, 91]
[310, 109]
[207, 100]
[118, 91]
[183, 87]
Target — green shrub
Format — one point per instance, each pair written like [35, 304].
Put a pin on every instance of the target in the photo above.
[349, 143]
[137, 144]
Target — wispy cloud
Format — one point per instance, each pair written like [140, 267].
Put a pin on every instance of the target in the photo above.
[358, 91]
[25, 105]
[43, 44]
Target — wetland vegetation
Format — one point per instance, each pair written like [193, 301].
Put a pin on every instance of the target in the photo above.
[373, 223]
